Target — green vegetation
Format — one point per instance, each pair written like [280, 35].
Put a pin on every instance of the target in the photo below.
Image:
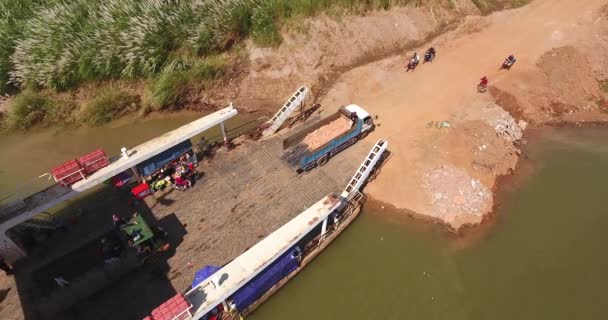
[30, 108]
[169, 89]
[172, 86]
[174, 44]
[108, 105]
[61, 43]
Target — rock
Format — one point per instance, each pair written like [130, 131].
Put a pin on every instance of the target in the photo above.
[522, 124]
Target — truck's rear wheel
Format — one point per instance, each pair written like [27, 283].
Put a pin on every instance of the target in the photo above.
[323, 160]
[363, 134]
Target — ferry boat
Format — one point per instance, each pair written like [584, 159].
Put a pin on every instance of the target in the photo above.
[237, 289]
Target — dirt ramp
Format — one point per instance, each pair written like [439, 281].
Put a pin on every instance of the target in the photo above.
[329, 46]
[570, 76]
[562, 83]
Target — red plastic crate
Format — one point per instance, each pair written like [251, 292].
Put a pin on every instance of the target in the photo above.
[94, 161]
[171, 308]
[141, 191]
[68, 173]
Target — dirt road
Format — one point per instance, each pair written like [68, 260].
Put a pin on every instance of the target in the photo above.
[406, 103]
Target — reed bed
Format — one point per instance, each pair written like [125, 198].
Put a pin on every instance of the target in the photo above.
[61, 43]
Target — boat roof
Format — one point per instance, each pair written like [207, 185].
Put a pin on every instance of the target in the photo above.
[54, 195]
[361, 113]
[155, 146]
[236, 274]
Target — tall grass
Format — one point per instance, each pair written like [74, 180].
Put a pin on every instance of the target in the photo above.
[61, 43]
[29, 108]
[171, 88]
[108, 105]
[13, 14]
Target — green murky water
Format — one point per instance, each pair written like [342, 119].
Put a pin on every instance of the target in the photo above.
[544, 256]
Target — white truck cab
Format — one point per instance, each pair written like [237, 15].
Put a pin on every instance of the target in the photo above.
[368, 122]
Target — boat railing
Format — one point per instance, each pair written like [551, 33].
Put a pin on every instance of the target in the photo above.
[238, 131]
[14, 200]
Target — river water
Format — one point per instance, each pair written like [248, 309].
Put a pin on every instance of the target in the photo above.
[543, 256]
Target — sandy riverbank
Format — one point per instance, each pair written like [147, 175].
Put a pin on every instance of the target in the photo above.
[448, 172]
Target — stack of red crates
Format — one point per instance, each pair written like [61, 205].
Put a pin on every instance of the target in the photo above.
[171, 309]
[68, 173]
[94, 161]
[75, 170]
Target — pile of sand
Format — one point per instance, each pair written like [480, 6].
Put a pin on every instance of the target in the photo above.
[322, 135]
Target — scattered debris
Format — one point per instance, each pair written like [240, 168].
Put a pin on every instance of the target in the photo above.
[454, 192]
[522, 124]
[439, 124]
[444, 124]
[507, 128]
[503, 123]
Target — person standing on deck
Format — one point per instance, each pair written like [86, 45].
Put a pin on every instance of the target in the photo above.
[5, 267]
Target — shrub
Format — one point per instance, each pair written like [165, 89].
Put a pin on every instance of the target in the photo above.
[180, 77]
[108, 105]
[265, 30]
[168, 90]
[28, 109]
[209, 69]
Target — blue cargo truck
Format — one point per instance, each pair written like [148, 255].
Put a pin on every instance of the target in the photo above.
[315, 145]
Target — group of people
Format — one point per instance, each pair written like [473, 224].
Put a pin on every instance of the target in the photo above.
[134, 236]
[111, 249]
[430, 54]
[180, 174]
[507, 64]
[5, 267]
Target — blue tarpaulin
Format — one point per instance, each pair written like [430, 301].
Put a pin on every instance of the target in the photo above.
[204, 273]
[278, 270]
[148, 167]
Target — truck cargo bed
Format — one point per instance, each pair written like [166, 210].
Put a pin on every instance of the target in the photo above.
[316, 137]
[297, 138]
[323, 135]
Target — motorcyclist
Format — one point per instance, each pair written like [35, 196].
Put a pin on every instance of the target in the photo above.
[510, 61]
[483, 84]
[415, 58]
[431, 52]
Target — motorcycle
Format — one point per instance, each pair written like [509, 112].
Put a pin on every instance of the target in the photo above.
[411, 65]
[483, 85]
[507, 64]
[428, 57]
